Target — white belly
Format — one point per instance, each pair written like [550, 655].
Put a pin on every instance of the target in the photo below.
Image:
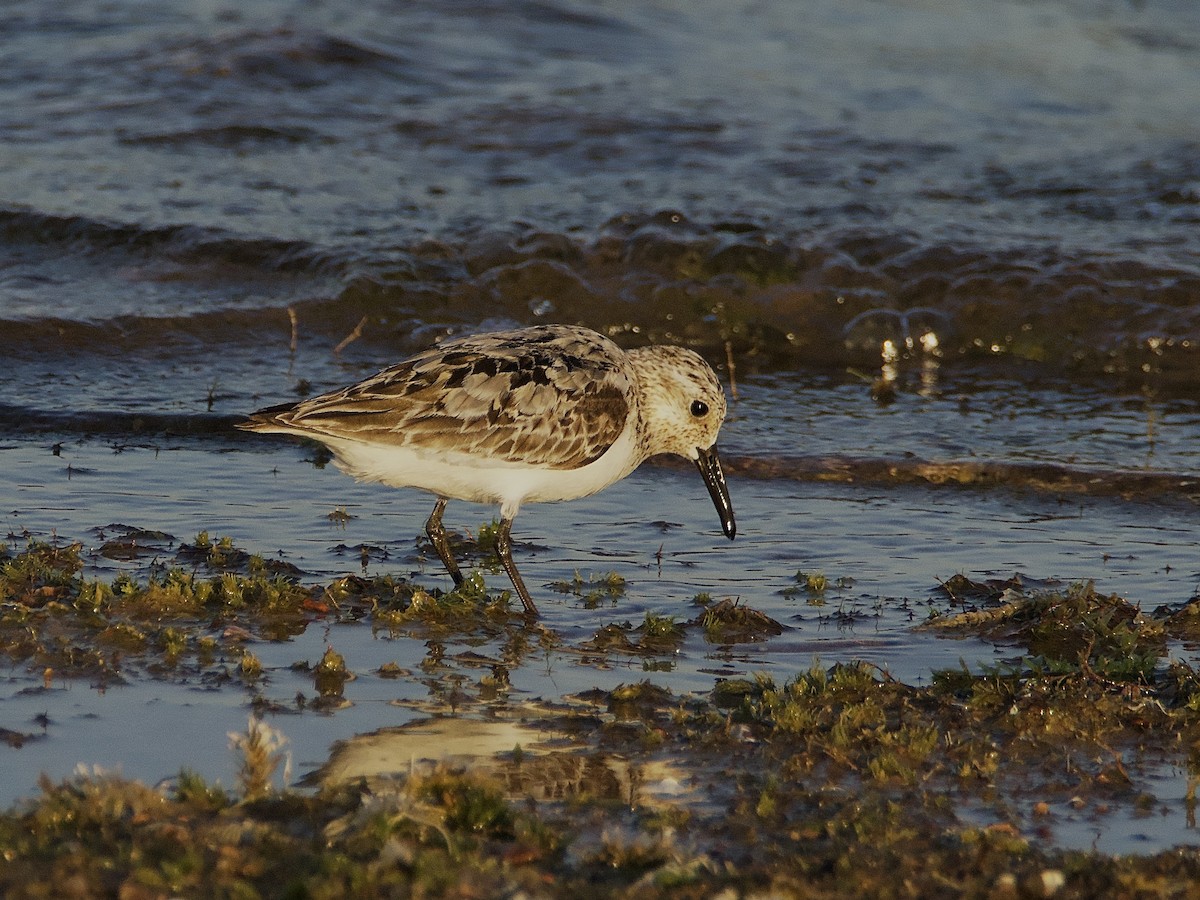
[460, 476]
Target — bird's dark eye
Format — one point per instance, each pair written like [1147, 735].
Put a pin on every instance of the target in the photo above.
[699, 409]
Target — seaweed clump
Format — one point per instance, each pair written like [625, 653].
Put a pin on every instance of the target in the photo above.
[838, 781]
[203, 607]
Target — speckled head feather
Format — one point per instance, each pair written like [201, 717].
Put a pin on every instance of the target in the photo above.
[682, 403]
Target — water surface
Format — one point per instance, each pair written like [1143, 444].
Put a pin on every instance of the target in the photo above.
[986, 217]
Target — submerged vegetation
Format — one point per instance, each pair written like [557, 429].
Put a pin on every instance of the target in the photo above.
[839, 781]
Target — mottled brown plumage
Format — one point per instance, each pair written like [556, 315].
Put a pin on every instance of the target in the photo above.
[546, 413]
[546, 398]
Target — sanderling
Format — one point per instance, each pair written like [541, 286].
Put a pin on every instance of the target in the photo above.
[552, 412]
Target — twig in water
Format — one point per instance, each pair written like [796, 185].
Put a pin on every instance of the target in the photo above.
[295, 328]
[351, 337]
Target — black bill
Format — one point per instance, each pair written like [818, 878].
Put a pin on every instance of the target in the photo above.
[709, 464]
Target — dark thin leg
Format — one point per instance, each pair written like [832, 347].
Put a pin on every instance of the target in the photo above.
[437, 536]
[504, 551]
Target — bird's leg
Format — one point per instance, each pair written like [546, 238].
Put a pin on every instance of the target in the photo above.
[504, 551]
[437, 536]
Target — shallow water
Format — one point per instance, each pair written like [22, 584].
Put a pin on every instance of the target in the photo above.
[199, 202]
[889, 544]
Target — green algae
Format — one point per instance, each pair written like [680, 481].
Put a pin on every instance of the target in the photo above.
[594, 591]
[330, 674]
[212, 599]
[53, 617]
[729, 622]
[42, 573]
[838, 781]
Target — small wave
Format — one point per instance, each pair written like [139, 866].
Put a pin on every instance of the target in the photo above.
[789, 302]
[1042, 477]
[969, 474]
[20, 420]
[298, 58]
[226, 136]
[733, 289]
[45, 338]
[24, 228]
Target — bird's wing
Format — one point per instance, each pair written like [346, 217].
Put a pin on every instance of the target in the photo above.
[558, 403]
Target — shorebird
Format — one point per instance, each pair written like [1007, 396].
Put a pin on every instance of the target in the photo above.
[552, 412]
